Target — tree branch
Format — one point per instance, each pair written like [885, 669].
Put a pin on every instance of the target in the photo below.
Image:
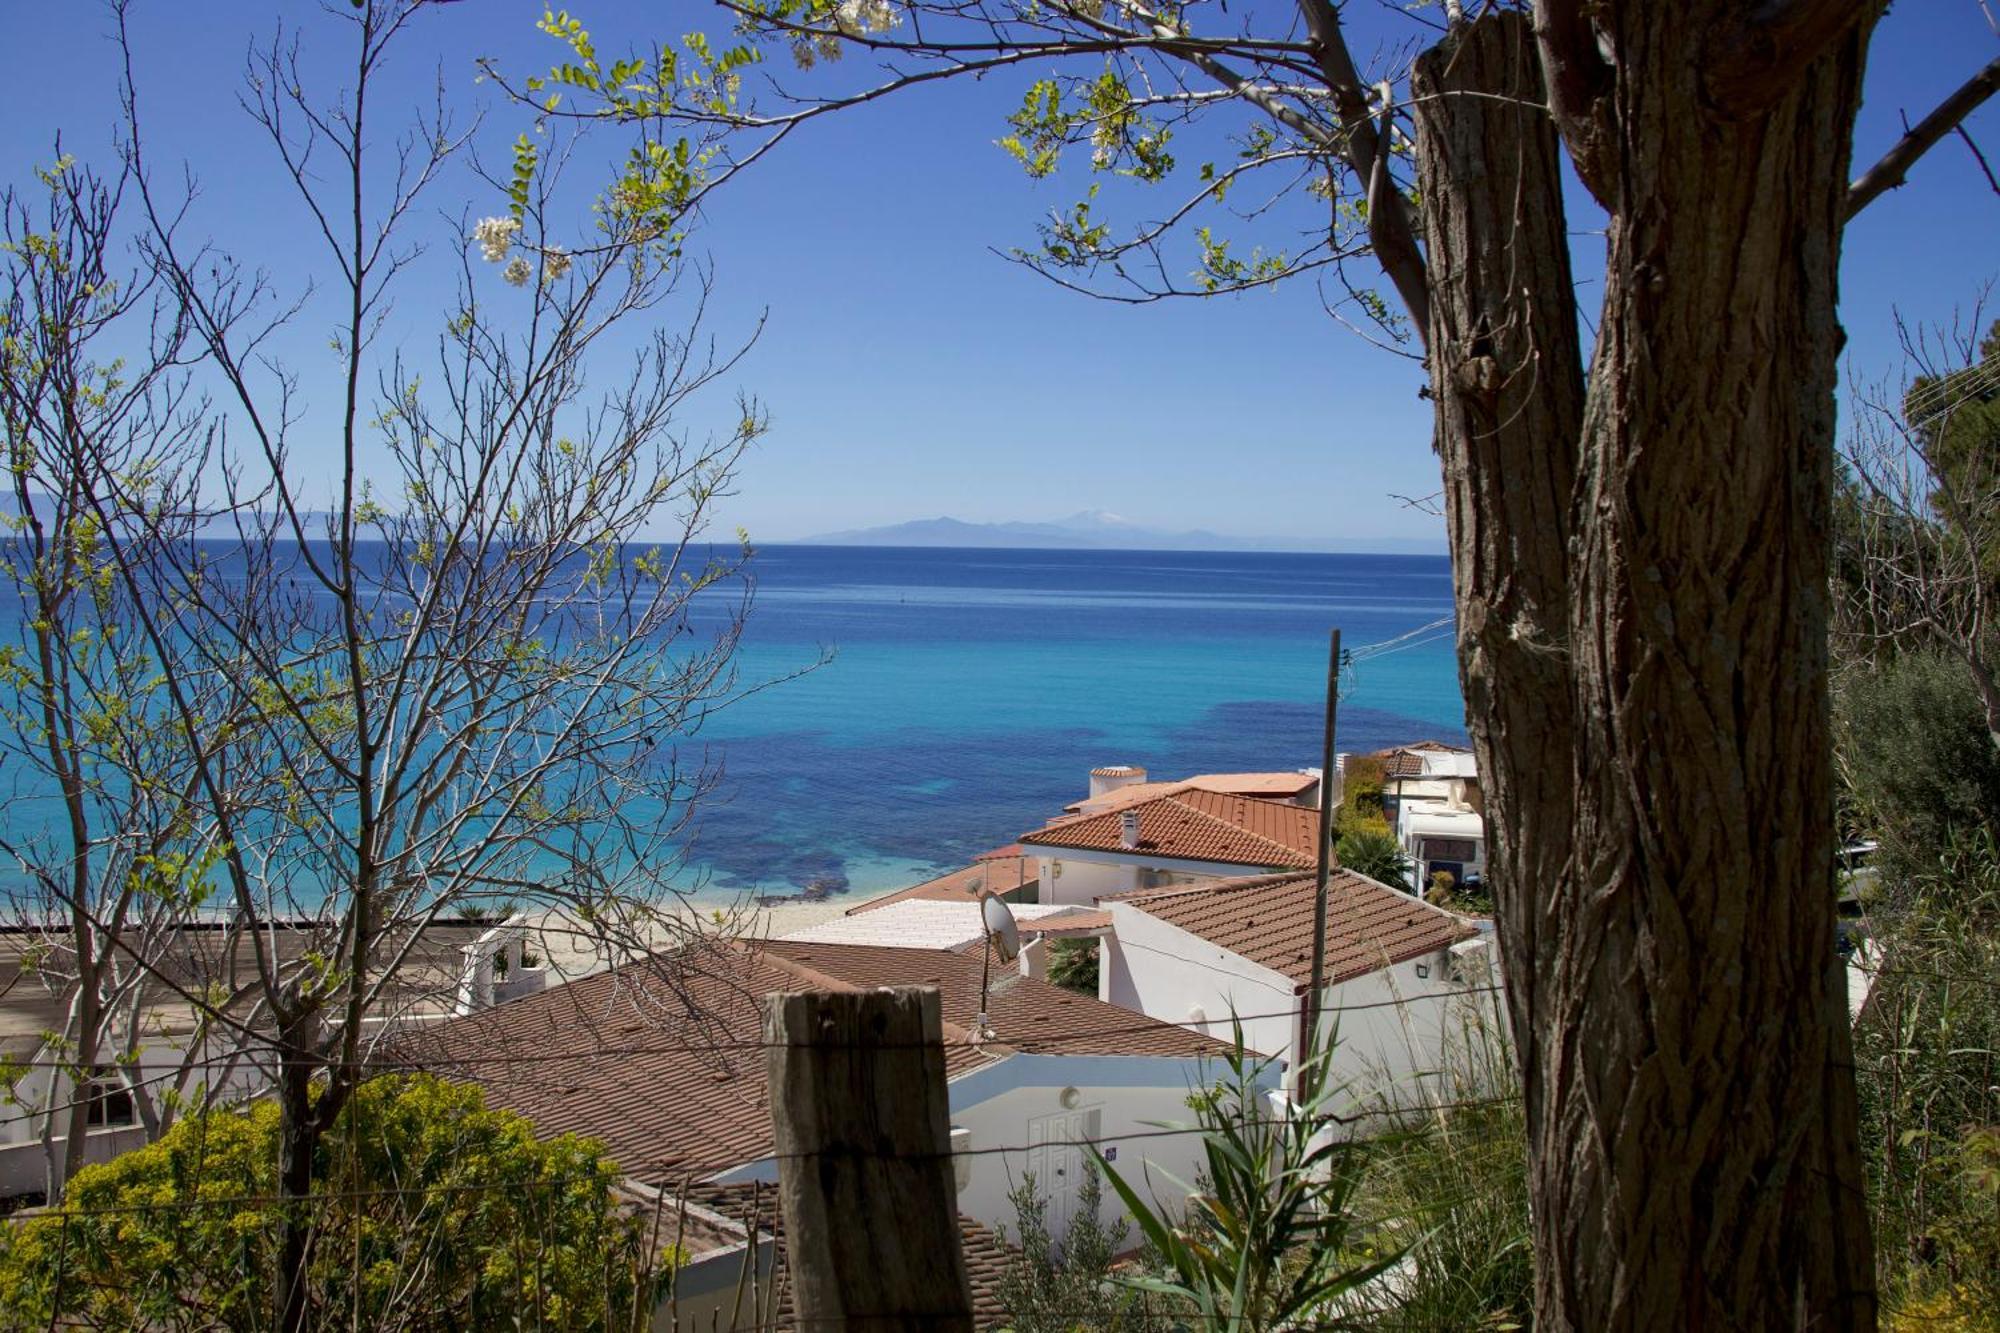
[1391, 231]
[1895, 164]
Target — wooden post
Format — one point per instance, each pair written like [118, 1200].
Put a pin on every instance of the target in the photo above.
[863, 1139]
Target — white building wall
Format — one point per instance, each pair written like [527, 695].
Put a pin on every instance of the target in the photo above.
[1403, 1031]
[1399, 1034]
[1162, 971]
[1072, 879]
[997, 1105]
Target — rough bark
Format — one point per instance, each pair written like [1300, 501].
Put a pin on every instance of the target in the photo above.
[1643, 608]
[1507, 381]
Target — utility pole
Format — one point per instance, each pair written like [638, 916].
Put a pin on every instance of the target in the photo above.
[1309, 1044]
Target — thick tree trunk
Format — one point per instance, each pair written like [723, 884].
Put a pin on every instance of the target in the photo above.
[1659, 765]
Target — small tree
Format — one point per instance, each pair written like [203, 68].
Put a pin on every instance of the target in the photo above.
[1371, 849]
[451, 666]
[1056, 1286]
[1073, 964]
[427, 1211]
[107, 833]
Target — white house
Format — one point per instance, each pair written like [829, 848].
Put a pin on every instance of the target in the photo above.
[1182, 836]
[662, 1060]
[920, 923]
[1402, 977]
[163, 1050]
[1431, 796]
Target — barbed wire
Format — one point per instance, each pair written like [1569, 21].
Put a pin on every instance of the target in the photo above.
[1165, 1131]
[1031, 1044]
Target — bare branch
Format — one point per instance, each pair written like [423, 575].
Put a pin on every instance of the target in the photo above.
[1889, 172]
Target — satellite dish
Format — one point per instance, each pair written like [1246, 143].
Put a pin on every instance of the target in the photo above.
[1000, 928]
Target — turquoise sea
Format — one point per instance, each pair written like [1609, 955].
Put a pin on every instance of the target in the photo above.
[971, 691]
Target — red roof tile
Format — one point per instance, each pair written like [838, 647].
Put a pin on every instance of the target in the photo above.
[755, 1207]
[1268, 920]
[1193, 825]
[663, 1060]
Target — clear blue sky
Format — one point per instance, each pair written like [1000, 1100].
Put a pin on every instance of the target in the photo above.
[909, 371]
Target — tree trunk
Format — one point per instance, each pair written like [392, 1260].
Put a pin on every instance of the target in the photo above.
[298, 1138]
[1659, 768]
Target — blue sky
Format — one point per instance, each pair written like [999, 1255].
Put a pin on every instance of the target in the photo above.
[911, 372]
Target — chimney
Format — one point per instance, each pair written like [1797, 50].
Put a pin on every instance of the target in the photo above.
[1128, 828]
[1104, 781]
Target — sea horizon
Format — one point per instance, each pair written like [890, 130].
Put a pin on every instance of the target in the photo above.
[970, 691]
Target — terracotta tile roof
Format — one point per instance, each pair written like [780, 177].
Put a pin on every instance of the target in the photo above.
[1028, 1015]
[918, 923]
[663, 1059]
[1255, 784]
[998, 875]
[1007, 853]
[755, 1208]
[1268, 920]
[1194, 825]
[1407, 761]
[1285, 785]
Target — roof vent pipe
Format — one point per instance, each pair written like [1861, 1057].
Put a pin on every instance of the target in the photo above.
[1128, 828]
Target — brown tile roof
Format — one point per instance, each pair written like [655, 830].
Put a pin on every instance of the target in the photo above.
[663, 1059]
[1255, 784]
[1407, 761]
[1268, 920]
[996, 875]
[1194, 825]
[34, 997]
[1028, 1015]
[755, 1208]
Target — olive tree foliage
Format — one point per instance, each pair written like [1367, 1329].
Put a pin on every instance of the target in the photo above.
[414, 649]
[1640, 541]
[107, 844]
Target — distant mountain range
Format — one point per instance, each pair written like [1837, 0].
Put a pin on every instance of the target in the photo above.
[1095, 529]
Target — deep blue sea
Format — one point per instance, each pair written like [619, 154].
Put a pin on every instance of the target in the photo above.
[970, 693]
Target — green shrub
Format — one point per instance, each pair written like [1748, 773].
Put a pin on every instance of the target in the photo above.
[429, 1212]
[1073, 964]
[1918, 762]
[1372, 850]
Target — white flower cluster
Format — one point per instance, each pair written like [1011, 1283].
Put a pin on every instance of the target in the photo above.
[859, 17]
[555, 264]
[496, 237]
[518, 271]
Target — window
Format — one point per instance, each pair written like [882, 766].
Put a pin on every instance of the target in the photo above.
[110, 1101]
[1450, 849]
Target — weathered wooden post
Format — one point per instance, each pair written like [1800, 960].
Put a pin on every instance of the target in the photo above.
[863, 1139]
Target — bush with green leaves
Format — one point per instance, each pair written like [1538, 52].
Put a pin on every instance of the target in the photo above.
[1073, 964]
[1918, 763]
[1266, 1239]
[429, 1211]
[1371, 849]
[1057, 1286]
